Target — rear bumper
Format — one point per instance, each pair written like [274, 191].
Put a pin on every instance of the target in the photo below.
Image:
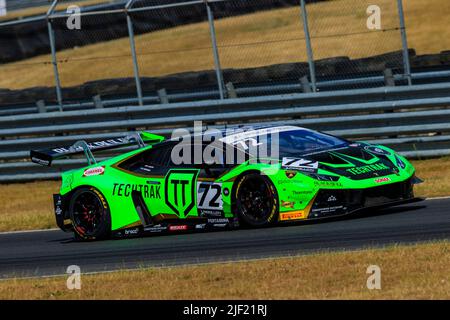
[62, 213]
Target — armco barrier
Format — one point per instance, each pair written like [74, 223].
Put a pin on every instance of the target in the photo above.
[413, 120]
[254, 91]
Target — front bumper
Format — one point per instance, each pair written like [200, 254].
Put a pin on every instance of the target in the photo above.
[332, 202]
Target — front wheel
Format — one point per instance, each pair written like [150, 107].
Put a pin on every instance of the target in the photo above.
[256, 200]
[90, 214]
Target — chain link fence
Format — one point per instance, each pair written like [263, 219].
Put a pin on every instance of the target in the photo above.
[99, 50]
[173, 47]
[345, 37]
[268, 45]
[143, 48]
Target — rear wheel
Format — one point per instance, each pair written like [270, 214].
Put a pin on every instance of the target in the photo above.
[90, 214]
[256, 200]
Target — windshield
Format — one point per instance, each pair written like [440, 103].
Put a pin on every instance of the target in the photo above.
[294, 143]
[306, 141]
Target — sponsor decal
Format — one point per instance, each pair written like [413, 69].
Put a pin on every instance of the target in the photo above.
[93, 145]
[300, 164]
[97, 171]
[400, 163]
[211, 213]
[178, 227]
[226, 192]
[381, 180]
[327, 184]
[147, 191]
[130, 232]
[287, 204]
[40, 161]
[290, 174]
[244, 136]
[290, 182]
[368, 168]
[200, 226]
[180, 191]
[218, 220]
[292, 215]
[58, 211]
[220, 225]
[299, 193]
[377, 150]
[58, 205]
[156, 228]
[331, 198]
[327, 210]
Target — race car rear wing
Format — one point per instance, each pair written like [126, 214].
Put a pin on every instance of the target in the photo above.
[47, 156]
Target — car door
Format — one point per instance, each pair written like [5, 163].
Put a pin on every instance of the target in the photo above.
[168, 190]
[201, 188]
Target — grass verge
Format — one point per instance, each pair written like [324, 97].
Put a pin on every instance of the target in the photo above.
[407, 272]
[28, 206]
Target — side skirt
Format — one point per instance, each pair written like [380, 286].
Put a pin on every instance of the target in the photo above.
[177, 226]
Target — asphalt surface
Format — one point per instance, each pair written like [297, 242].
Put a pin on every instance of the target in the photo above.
[51, 252]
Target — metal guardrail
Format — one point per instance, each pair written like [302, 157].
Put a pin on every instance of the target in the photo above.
[413, 120]
[212, 12]
[322, 86]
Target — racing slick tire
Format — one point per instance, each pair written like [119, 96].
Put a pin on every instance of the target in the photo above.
[90, 215]
[256, 201]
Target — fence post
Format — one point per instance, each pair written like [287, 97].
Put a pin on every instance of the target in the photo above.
[51, 36]
[133, 53]
[406, 64]
[309, 51]
[218, 68]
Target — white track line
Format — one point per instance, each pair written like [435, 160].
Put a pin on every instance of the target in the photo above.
[438, 198]
[28, 231]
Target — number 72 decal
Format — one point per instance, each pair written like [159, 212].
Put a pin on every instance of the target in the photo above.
[209, 195]
[300, 164]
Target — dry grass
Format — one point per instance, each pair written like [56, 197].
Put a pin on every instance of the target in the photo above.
[28, 206]
[253, 40]
[436, 173]
[407, 272]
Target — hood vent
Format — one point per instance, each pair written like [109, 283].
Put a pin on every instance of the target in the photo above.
[330, 158]
[356, 152]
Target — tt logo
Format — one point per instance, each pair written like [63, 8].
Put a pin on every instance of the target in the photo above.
[180, 190]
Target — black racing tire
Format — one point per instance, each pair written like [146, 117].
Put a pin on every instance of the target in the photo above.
[256, 201]
[90, 215]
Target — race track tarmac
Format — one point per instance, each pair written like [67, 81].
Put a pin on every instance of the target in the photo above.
[45, 253]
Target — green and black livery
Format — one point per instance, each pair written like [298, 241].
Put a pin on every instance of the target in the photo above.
[314, 176]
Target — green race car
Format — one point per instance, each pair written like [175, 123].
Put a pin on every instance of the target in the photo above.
[302, 175]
